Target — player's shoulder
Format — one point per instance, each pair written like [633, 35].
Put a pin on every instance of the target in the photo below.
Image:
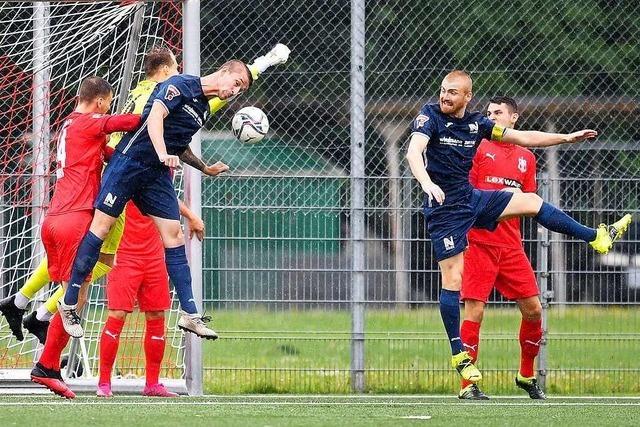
[523, 151]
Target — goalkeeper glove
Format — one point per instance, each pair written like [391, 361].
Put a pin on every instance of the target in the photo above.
[278, 55]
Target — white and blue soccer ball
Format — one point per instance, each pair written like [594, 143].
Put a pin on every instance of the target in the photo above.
[250, 125]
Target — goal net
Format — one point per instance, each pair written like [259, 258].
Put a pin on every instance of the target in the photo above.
[46, 48]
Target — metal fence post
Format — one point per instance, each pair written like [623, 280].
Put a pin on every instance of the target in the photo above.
[192, 192]
[546, 292]
[357, 195]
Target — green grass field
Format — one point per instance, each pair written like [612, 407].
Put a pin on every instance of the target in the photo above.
[591, 350]
[315, 411]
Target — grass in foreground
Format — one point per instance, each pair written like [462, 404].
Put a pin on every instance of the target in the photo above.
[349, 411]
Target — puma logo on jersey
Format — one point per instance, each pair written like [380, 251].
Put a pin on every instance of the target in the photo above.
[491, 156]
[171, 93]
[110, 200]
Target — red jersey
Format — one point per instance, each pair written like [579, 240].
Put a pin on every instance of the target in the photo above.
[81, 142]
[141, 238]
[498, 165]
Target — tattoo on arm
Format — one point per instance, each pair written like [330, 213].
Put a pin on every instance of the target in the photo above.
[192, 160]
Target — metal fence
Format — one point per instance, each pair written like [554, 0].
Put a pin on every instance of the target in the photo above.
[316, 265]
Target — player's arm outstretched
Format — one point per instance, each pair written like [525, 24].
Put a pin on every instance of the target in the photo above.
[531, 138]
[417, 147]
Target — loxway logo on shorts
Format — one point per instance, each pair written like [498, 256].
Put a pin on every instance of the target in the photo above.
[448, 243]
[110, 200]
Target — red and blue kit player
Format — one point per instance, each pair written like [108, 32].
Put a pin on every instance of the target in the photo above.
[443, 143]
[497, 258]
[81, 142]
[140, 171]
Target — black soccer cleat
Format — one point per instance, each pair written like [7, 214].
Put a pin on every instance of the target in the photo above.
[13, 315]
[472, 392]
[530, 385]
[37, 327]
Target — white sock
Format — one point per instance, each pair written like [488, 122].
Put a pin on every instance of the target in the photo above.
[43, 314]
[21, 301]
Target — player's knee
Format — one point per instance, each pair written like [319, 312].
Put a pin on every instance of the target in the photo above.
[452, 278]
[101, 224]
[154, 315]
[473, 310]
[532, 312]
[118, 314]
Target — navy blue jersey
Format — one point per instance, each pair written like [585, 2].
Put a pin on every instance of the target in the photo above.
[452, 144]
[187, 109]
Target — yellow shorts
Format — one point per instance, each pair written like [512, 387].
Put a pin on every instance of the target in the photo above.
[112, 241]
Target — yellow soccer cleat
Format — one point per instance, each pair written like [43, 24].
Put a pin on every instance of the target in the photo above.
[462, 363]
[606, 235]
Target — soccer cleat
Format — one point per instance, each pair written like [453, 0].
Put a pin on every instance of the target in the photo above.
[37, 327]
[13, 315]
[104, 390]
[472, 392]
[530, 385]
[52, 380]
[195, 324]
[70, 319]
[276, 56]
[606, 235]
[158, 390]
[464, 365]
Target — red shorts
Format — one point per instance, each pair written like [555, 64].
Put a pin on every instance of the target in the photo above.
[61, 235]
[140, 280]
[508, 269]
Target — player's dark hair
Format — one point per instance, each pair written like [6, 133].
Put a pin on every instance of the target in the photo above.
[156, 58]
[236, 65]
[510, 102]
[94, 87]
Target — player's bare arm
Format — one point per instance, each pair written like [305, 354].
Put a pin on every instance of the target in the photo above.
[417, 146]
[189, 158]
[155, 123]
[530, 138]
[194, 222]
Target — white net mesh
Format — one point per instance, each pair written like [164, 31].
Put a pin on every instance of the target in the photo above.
[45, 51]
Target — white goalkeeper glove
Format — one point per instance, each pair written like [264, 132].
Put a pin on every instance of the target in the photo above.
[278, 55]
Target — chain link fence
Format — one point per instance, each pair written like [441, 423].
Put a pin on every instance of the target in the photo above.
[278, 259]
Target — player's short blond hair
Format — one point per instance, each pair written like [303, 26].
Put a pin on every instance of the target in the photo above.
[236, 66]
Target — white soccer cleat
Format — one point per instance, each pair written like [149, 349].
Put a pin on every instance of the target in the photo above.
[276, 56]
[195, 324]
[70, 319]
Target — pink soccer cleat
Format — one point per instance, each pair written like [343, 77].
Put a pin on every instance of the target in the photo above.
[104, 390]
[158, 390]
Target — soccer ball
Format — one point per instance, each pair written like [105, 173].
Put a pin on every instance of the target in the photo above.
[250, 125]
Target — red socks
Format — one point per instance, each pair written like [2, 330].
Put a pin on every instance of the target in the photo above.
[109, 342]
[57, 340]
[530, 336]
[470, 336]
[154, 343]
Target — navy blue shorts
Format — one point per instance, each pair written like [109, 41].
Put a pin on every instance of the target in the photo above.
[449, 224]
[150, 188]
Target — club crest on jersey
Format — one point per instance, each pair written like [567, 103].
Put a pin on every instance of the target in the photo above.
[522, 164]
[172, 92]
[421, 120]
[473, 127]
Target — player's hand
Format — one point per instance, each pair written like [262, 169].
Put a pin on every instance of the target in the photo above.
[215, 169]
[434, 192]
[196, 227]
[169, 160]
[278, 55]
[581, 135]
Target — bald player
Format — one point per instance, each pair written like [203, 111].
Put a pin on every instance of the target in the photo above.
[444, 140]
